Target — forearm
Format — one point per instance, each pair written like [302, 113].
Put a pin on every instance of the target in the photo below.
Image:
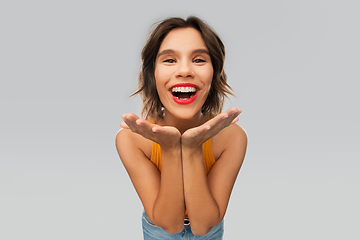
[169, 207]
[202, 208]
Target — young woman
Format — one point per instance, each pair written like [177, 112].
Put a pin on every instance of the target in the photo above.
[184, 156]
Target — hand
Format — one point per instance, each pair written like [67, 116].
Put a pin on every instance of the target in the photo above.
[167, 137]
[195, 137]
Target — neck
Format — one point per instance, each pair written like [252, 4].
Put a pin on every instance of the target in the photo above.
[182, 124]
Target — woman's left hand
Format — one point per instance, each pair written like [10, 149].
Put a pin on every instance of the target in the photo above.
[195, 137]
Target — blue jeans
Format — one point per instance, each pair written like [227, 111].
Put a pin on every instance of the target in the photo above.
[153, 232]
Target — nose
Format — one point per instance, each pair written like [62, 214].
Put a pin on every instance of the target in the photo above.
[184, 70]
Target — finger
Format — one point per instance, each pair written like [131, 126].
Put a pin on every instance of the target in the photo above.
[144, 124]
[216, 120]
[235, 120]
[154, 129]
[124, 125]
[202, 128]
[207, 127]
[224, 115]
[164, 130]
[129, 121]
[238, 111]
[126, 122]
[234, 111]
[132, 117]
[140, 122]
[159, 129]
[224, 119]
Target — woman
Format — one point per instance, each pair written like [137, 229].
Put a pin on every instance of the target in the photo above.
[184, 156]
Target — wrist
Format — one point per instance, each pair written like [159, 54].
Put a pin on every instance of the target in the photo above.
[171, 145]
[191, 144]
[191, 151]
[173, 150]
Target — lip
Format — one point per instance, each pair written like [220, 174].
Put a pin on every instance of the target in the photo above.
[184, 101]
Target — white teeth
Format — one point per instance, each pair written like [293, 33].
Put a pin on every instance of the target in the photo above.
[183, 89]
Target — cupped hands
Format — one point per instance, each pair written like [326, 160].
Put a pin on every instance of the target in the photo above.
[170, 137]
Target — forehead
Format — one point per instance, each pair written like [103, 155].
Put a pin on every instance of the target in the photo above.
[183, 39]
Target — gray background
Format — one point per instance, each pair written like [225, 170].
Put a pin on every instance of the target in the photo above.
[68, 67]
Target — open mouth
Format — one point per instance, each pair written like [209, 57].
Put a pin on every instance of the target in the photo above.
[183, 93]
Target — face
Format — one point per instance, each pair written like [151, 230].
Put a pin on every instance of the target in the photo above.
[183, 73]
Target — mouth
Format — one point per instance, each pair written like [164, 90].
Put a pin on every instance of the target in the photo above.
[184, 93]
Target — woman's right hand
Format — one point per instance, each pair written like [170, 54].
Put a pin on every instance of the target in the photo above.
[167, 137]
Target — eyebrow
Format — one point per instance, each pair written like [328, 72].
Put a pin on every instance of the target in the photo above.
[169, 51]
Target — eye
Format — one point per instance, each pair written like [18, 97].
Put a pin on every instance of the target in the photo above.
[199, 60]
[169, 60]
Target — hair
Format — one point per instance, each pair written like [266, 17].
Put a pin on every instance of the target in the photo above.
[152, 106]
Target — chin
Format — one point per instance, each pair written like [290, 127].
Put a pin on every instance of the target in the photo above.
[184, 114]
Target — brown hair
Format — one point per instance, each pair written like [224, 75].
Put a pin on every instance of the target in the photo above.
[147, 84]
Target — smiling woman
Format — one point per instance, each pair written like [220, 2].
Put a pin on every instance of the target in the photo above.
[184, 156]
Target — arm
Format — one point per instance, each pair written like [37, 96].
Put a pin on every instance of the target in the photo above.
[161, 194]
[169, 207]
[207, 197]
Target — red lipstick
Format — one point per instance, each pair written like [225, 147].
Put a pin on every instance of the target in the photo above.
[187, 100]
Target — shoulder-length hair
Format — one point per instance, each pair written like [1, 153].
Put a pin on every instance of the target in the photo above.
[152, 106]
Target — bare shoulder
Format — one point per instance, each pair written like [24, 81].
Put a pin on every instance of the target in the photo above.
[128, 143]
[233, 131]
[233, 138]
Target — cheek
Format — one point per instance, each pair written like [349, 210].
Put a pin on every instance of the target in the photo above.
[208, 76]
[161, 75]
[160, 81]
[156, 75]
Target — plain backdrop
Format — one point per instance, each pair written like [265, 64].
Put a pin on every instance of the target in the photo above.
[68, 67]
